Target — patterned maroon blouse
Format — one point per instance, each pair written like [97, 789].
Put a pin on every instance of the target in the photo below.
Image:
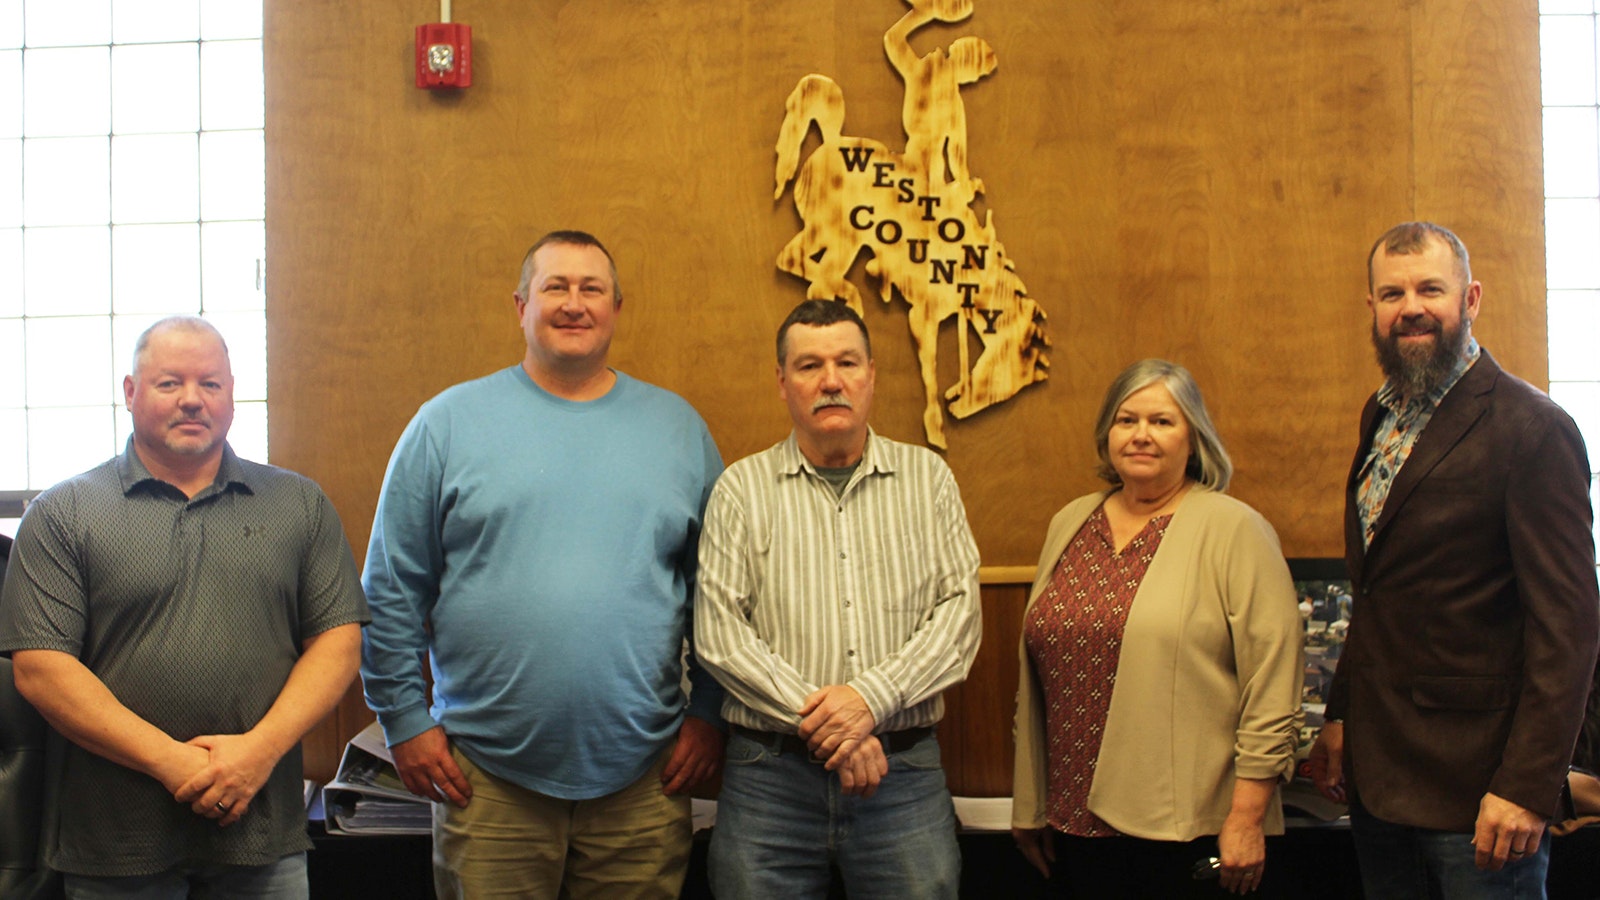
[1074, 636]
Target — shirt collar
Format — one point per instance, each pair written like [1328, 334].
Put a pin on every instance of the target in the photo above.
[1389, 395]
[230, 474]
[793, 462]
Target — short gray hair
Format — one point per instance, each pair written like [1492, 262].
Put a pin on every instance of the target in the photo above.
[820, 314]
[189, 324]
[1208, 459]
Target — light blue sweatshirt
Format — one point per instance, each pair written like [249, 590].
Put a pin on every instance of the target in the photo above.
[551, 544]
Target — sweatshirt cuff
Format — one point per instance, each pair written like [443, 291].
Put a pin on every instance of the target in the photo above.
[402, 726]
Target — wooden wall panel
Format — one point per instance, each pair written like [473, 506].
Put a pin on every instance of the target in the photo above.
[1480, 156]
[975, 736]
[1195, 181]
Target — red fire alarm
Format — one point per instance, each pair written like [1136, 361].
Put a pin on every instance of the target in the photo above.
[444, 55]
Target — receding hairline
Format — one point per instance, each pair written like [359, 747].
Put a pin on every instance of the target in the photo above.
[1412, 238]
[178, 324]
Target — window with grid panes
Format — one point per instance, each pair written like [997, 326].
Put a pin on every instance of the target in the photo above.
[1571, 88]
[131, 188]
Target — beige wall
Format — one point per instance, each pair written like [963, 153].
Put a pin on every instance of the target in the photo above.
[1193, 181]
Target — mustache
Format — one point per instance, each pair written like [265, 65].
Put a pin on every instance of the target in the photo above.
[827, 400]
[1429, 327]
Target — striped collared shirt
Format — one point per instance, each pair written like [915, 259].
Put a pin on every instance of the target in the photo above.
[798, 588]
[1398, 429]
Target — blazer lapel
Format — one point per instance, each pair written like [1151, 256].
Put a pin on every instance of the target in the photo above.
[1460, 409]
[1355, 551]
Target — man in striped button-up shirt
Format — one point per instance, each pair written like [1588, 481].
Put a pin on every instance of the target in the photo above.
[837, 597]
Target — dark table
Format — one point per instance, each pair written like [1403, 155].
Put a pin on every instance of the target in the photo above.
[1321, 859]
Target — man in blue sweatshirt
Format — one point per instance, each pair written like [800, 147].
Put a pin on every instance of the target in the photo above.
[536, 537]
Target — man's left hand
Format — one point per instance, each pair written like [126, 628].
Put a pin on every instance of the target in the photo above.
[696, 756]
[834, 721]
[240, 764]
[860, 776]
[1506, 832]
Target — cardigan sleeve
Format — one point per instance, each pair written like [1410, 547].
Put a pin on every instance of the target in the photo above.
[1269, 657]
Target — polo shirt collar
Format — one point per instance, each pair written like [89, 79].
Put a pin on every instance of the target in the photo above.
[133, 473]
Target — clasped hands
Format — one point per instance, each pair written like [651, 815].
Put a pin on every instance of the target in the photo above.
[837, 727]
[218, 775]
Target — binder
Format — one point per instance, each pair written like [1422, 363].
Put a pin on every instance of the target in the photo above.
[366, 795]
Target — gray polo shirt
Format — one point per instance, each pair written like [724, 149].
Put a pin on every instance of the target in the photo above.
[193, 613]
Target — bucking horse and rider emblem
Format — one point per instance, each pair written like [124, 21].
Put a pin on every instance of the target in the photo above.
[912, 212]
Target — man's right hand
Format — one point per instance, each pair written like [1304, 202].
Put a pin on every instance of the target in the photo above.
[428, 770]
[182, 765]
[1327, 762]
[834, 720]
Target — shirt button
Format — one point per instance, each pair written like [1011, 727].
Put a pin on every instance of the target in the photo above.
[841, 554]
[849, 653]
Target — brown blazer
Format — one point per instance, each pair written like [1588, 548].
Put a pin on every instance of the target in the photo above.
[1473, 640]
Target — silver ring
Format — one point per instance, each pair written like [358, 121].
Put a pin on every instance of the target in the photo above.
[221, 807]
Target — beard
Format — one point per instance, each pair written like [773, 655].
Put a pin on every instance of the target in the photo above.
[1417, 371]
[183, 445]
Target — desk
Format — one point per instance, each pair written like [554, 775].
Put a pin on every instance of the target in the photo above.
[400, 867]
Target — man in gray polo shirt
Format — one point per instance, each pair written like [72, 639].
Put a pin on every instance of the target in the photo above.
[183, 617]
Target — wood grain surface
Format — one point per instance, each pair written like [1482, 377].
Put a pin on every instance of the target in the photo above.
[1196, 181]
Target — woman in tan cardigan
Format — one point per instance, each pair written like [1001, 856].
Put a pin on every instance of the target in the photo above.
[1159, 703]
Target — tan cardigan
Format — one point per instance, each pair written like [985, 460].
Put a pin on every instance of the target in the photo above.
[1208, 684]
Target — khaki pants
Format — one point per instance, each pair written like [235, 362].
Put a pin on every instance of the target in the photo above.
[513, 842]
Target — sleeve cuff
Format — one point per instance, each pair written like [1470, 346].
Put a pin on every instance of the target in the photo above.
[880, 698]
[705, 702]
[399, 727]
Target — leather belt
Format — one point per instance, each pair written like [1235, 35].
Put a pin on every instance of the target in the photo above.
[779, 742]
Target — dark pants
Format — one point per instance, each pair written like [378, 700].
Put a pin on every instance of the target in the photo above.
[1402, 862]
[1133, 868]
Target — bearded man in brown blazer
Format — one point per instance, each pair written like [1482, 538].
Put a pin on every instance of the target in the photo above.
[1469, 540]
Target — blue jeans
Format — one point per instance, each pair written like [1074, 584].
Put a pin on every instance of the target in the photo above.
[1408, 863]
[782, 820]
[282, 880]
